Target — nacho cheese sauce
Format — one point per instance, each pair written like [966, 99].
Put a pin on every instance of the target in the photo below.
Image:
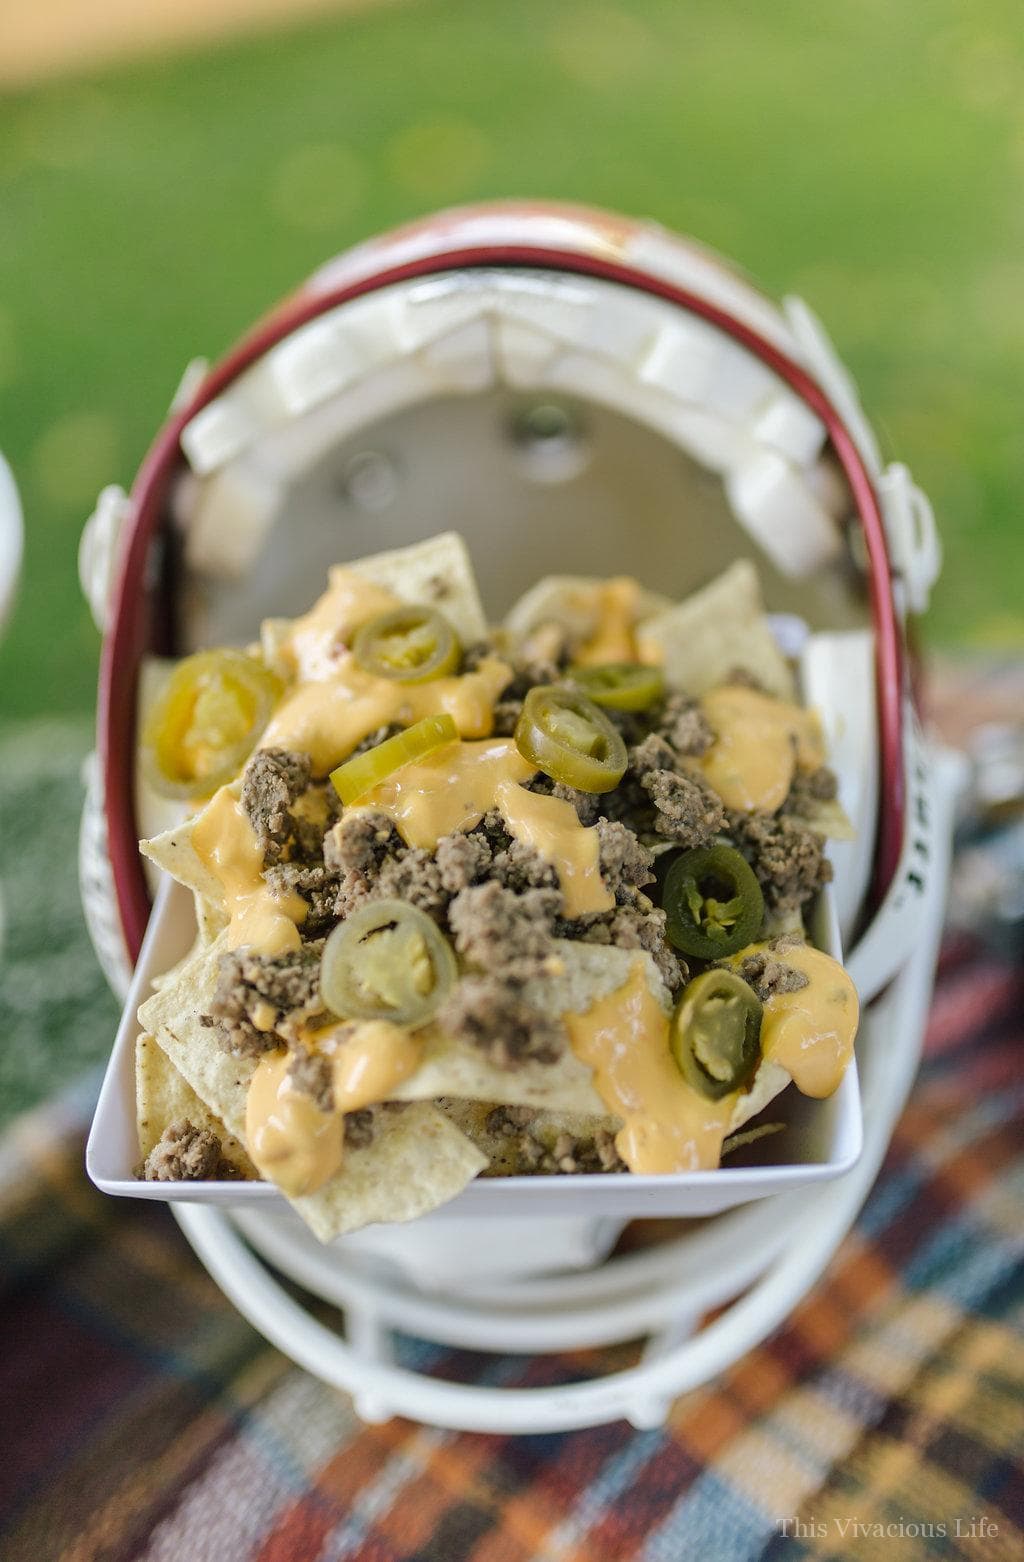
[291, 1141]
[667, 1126]
[448, 791]
[552, 827]
[759, 744]
[328, 718]
[616, 604]
[319, 640]
[370, 1060]
[810, 1033]
[224, 842]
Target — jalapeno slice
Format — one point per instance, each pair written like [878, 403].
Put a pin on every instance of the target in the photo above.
[620, 685]
[388, 961]
[206, 722]
[713, 903]
[409, 645]
[568, 737]
[716, 1033]
[356, 776]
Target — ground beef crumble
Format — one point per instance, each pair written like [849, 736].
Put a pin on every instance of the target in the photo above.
[567, 1154]
[687, 811]
[495, 1017]
[260, 999]
[639, 927]
[626, 864]
[682, 723]
[184, 1153]
[809, 790]
[273, 781]
[768, 975]
[462, 860]
[789, 860]
[586, 804]
[318, 886]
[360, 1128]
[311, 1074]
[413, 875]
[496, 929]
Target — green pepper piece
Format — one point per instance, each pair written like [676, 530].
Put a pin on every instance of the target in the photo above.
[408, 645]
[564, 734]
[620, 685]
[713, 903]
[387, 961]
[206, 722]
[356, 776]
[716, 1033]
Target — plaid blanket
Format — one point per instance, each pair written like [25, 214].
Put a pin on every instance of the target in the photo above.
[142, 1418]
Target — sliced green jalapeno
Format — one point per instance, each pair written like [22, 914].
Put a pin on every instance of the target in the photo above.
[716, 1033]
[388, 961]
[620, 685]
[356, 776]
[564, 734]
[207, 722]
[409, 645]
[713, 903]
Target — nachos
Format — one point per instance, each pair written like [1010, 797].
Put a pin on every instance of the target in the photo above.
[477, 901]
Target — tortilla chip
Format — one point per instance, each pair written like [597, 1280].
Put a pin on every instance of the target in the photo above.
[416, 1161]
[828, 817]
[566, 600]
[174, 852]
[163, 1096]
[769, 1081]
[437, 573]
[211, 918]
[701, 640]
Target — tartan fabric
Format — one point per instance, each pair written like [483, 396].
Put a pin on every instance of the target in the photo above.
[143, 1419]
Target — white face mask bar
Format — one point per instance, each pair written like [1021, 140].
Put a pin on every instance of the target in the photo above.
[557, 413]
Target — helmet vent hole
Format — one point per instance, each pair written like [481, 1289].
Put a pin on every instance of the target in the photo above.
[549, 442]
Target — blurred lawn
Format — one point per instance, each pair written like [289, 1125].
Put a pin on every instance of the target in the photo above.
[870, 156]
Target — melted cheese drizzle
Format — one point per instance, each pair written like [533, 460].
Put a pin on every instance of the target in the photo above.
[552, 827]
[810, 1033]
[291, 1141]
[759, 744]
[319, 640]
[667, 1126]
[328, 718]
[224, 842]
[370, 1059]
[616, 603]
[449, 790]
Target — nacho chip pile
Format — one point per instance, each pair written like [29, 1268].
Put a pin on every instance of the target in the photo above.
[556, 926]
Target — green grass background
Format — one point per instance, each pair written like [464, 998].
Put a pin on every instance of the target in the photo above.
[866, 153]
